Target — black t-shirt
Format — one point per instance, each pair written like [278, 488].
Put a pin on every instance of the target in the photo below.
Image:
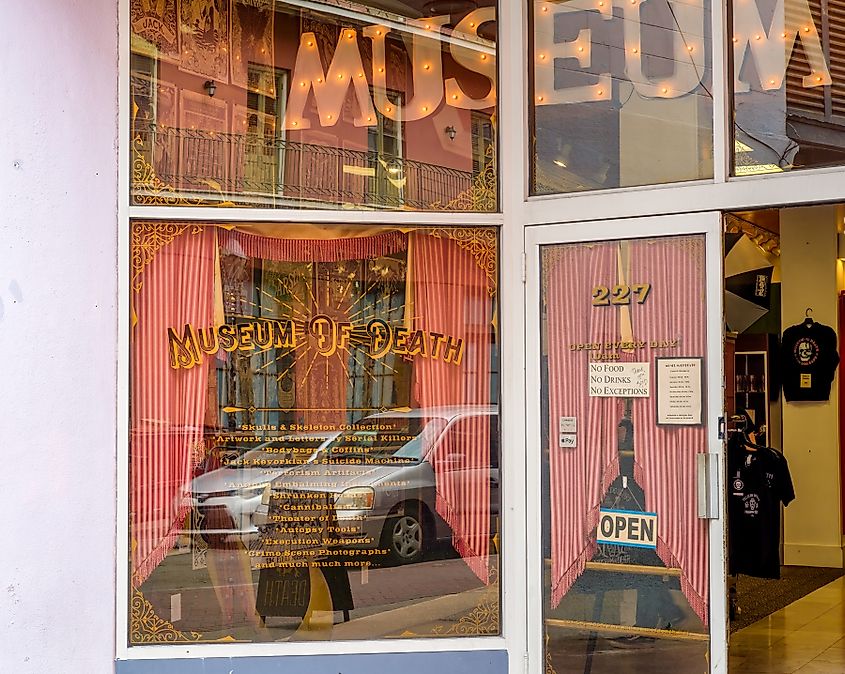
[808, 361]
[758, 482]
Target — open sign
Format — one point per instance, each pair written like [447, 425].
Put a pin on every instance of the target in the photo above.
[628, 528]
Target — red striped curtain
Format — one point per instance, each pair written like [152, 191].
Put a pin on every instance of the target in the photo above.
[167, 406]
[665, 455]
[312, 250]
[580, 476]
[451, 298]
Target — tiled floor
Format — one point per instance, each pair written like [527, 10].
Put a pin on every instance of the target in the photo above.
[806, 637]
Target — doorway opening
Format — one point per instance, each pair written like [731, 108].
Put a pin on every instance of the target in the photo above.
[784, 316]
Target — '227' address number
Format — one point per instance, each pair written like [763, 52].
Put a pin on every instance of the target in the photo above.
[621, 294]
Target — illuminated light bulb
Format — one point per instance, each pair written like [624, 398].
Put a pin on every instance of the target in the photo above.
[320, 80]
[350, 35]
[328, 116]
[600, 92]
[545, 9]
[369, 119]
[340, 77]
[756, 37]
[302, 84]
[426, 67]
[689, 48]
[580, 49]
[310, 43]
[783, 35]
[455, 97]
[389, 109]
[484, 57]
[664, 90]
[736, 39]
[425, 108]
[360, 74]
[635, 50]
[542, 57]
[428, 26]
[819, 78]
[601, 4]
[381, 70]
[295, 124]
[378, 32]
[771, 81]
[263, 51]
[540, 99]
[806, 29]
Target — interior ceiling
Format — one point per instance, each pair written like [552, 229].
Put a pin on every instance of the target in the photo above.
[768, 218]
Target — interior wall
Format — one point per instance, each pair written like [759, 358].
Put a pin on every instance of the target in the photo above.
[811, 429]
[58, 257]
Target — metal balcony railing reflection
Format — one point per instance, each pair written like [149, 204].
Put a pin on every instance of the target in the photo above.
[249, 169]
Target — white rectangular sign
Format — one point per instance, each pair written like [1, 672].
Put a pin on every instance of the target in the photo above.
[568, 425]
[679, 391]
[628, 528]
[619, 380]
[568, 440]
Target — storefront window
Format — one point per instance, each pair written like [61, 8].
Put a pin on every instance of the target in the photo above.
[788, 84]
[314, 448]
[625, 574]
[323, 104]
[621, 94]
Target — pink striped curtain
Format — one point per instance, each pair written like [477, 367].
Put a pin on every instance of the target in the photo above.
[665, 455]
[312, 250]
[451, 298]
[167, 406]
[579, 477]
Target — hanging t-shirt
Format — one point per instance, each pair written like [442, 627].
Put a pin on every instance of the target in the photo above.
[758, 482]
[808, 361]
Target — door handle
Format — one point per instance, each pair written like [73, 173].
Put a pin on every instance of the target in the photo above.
[707, 479]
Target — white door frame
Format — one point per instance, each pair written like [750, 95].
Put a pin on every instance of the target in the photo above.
[709, 224]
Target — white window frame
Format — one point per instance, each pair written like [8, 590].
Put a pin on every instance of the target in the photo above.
[510, 297]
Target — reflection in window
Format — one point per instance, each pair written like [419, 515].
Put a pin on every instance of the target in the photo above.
[789, 87]
[280, 104]
[314, 432]
[621, 94]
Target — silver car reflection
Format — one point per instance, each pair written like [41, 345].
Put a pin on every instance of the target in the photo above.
[389, 502]
[224, 500]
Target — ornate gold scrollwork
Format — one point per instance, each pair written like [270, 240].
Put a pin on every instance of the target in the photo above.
[481, 243]
[145, 627]
[483, 195]
[150, 237]
[483, 620]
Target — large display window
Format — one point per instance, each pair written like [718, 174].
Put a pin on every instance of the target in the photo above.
[314, 446]
[621, 94]
[319, 104]
[788, 85]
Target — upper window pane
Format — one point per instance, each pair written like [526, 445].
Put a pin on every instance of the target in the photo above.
[789, 85]
[378, 104]
[621, 94]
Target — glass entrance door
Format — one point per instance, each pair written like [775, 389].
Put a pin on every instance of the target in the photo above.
[625, 454]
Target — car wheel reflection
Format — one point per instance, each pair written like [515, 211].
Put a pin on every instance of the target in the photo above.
[404, 539]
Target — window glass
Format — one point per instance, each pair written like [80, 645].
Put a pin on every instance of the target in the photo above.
[314, 448]
[377, 104]
[621, 93]
[622, 396]
[788, 84]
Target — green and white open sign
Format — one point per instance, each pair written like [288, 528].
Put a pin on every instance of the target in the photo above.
[628, 528]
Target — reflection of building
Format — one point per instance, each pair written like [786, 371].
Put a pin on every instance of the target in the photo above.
[233, 141]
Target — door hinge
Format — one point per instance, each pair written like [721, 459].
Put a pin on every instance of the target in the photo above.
[524, 271]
